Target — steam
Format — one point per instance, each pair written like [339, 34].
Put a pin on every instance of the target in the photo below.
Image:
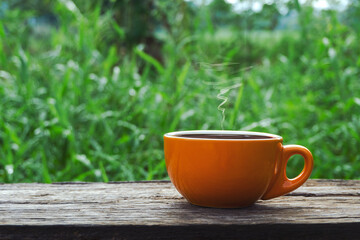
[224, 99]
[223, 85]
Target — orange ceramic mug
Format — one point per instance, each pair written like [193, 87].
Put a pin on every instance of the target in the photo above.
[228, 169]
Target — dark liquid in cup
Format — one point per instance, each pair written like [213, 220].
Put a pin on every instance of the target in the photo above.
[224, 136]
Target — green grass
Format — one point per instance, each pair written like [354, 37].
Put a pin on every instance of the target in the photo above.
[75, 107]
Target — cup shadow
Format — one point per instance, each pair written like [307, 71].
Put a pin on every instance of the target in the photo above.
[256, 213]
[254, 207]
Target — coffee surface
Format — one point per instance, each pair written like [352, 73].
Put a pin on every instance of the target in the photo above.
[224, 136]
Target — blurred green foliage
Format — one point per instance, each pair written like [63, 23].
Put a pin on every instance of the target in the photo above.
[88, 88]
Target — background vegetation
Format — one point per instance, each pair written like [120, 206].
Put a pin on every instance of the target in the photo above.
[88, 88]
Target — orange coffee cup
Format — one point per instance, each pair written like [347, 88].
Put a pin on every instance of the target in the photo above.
[230, 169]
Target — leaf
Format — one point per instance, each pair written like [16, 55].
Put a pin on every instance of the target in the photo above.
[103, 172]
[120, 32]
[45, 169]
[83, 159]
[357, 101]
[181, 78]
[2, 31]
[149, 59]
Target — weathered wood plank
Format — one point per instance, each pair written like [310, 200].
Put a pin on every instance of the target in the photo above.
[130, 210]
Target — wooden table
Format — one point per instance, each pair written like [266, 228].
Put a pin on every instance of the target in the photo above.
[321, 209]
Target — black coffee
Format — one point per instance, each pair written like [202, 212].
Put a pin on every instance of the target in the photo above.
[224, 136]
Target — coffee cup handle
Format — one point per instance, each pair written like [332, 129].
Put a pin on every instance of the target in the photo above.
[281, 184]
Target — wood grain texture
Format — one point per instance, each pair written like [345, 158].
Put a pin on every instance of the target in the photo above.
[321, 209]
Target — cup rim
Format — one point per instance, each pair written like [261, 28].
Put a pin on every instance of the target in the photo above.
[272, 137]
